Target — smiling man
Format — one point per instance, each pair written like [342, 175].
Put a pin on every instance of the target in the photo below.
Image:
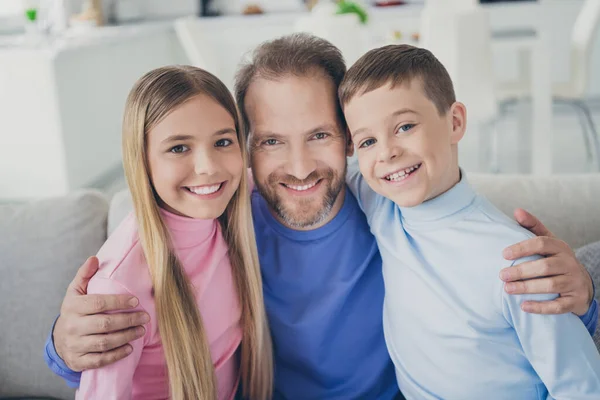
[321, 268]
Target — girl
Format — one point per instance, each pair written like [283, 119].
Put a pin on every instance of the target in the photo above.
[188, 252]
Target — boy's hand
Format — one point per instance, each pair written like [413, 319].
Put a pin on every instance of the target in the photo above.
[559, 272]
[84, 337]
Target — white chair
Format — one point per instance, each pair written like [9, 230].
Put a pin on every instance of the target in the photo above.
[193, 37]
[344, 31]
[458, 33]
[574, 90]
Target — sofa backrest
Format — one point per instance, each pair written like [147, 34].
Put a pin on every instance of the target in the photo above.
[42, 244]
[569, 205]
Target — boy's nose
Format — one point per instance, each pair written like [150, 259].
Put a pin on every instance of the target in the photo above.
[388, 151]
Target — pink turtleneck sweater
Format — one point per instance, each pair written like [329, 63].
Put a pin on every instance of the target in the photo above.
[202, 251]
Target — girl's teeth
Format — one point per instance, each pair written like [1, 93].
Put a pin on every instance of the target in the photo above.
[302, 188]
[205, 189]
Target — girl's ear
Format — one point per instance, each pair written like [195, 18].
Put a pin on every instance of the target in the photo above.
[458, 113]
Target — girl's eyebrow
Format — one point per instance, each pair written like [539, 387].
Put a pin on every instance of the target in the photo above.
[176, 138]
[182, 137]
[224, 131]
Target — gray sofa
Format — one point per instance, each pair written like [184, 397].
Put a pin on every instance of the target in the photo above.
[43, 243]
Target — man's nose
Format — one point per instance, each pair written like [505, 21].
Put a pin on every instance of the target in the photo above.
[300, 163]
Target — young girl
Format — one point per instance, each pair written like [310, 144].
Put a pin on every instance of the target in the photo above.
[188, 252]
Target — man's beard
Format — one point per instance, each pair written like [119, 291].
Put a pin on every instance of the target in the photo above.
[307, 212]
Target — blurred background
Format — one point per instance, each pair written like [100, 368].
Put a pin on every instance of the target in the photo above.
[527, 70]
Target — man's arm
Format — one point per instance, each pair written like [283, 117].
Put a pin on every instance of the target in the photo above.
[559, 272]
[83, 337]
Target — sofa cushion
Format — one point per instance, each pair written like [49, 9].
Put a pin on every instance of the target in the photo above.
[42, 244]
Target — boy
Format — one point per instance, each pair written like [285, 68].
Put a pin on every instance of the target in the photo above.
[451, 330]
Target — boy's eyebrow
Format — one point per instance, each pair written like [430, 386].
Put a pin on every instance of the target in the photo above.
[182, 137]
[359, 132]
[392, 115]
[403, 111]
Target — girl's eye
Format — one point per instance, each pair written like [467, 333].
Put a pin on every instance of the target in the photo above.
[270, 142]
[367, 143]
[321, 135]
[179, 149]
[224, 143]
[405, 128]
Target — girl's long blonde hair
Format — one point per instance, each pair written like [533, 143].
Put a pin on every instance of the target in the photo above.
[189, 363]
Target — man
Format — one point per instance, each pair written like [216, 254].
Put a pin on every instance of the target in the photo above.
[321, 268]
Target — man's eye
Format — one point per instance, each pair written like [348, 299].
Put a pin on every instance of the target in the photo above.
[406, 128]
[224, 143]
[367, 143]
[270, 142]
[321, 135]
[179, 149]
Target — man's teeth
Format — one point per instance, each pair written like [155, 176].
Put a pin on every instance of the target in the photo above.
[400, 175]
[302, 188]
[204, 189]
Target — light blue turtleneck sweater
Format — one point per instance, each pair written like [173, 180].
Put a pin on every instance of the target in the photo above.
[451, 330]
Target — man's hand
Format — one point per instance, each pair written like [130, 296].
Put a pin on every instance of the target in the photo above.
[559, 272]
[85, 337]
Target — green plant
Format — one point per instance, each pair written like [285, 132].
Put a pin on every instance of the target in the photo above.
[31, 14]
[350, 7]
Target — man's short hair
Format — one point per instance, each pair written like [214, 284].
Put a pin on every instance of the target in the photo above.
[298, 54]
[397, 65]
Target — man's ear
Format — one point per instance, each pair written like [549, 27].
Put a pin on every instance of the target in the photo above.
[458, 113]
[349, 144]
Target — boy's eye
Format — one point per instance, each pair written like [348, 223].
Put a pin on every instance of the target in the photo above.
[367, 143]
[405, 128]
[270, 142]
[179, 149]
[224, 143]
[321, 135]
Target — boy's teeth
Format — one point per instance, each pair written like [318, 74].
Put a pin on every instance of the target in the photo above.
[398, 176]
[302, 188]
[205, 189]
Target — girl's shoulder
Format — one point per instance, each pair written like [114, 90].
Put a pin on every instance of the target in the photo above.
[122, 260]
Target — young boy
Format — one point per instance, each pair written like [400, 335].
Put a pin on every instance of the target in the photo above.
[450, 328]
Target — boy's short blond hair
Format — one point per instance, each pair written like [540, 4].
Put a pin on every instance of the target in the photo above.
[399, 64]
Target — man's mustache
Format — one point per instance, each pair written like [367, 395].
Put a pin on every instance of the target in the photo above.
[292, 180]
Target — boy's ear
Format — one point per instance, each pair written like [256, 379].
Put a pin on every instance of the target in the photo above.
[458, 112]
[349, 144]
